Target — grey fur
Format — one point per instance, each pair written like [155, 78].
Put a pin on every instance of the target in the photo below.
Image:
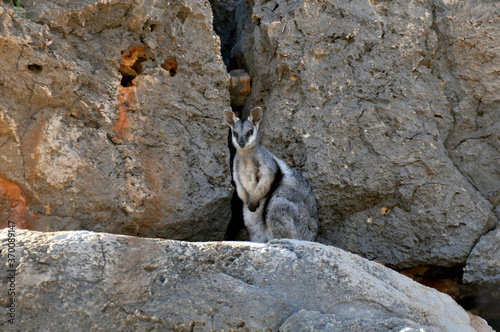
[291, 211]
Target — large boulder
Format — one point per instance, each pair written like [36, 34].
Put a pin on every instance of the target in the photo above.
[483, 264]
[110, 118]
[482, 272]
[471, 32]
[85, 281]
[369, 99]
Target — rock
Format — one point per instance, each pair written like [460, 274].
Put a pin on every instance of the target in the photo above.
[470, 71]
[472, 31]
[110, 119]
[483, 264]
[239, 87]
[479, 324]
[368, 100]
[97, 280]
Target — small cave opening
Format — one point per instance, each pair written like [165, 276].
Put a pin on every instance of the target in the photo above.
[151, 26]
[170, 65]
[35, 68]
[182, 14]
[131, 65]
[481, 300]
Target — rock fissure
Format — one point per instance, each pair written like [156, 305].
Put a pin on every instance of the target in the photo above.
[103, 255]
[227, 16]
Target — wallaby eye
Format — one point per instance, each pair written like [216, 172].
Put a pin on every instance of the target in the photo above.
[250, 132]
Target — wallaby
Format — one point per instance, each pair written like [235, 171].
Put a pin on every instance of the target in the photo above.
[277, 201]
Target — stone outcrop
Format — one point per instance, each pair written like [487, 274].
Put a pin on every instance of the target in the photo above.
[91, 281]
[390, 110]
[110, 119]
[483, 264]
[483, 273]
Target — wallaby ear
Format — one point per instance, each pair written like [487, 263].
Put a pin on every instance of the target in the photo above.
[230, 118]
[255, 116]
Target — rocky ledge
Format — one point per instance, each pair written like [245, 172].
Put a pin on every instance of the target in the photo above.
[87, 281]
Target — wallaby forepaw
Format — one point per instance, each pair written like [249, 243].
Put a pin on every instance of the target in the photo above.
[253, 206]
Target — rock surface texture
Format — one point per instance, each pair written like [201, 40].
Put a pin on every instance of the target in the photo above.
[91, 281]
[390, 109]
[110, 119]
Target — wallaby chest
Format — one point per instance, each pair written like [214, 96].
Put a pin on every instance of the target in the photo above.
[249, 172]
[256, 169]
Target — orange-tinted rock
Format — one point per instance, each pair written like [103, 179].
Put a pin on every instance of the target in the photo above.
[104, 124]
[239, 87]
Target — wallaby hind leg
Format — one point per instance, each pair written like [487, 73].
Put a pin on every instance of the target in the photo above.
[290, 220]
[280, 218]
[256, 228]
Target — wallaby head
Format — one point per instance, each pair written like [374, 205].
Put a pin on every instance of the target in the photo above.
[245, 134]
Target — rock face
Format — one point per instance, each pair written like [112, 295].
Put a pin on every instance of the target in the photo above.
[483, 264]
[483, 271]
[110, 119]
[390, 109]
[94, 281]
[473, 32]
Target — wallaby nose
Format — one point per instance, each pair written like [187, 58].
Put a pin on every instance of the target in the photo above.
[241, 143]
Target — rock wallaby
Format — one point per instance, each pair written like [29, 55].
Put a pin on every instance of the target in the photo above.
[277, 201]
